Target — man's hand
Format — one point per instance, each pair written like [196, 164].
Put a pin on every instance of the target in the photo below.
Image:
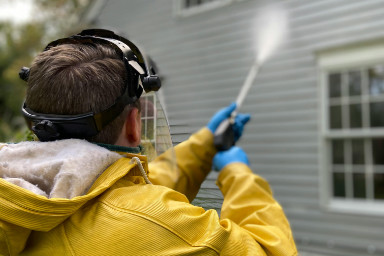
[224, 113]
[232, 155]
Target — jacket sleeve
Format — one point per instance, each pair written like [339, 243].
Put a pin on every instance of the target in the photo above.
[253, 212]
[186, 166]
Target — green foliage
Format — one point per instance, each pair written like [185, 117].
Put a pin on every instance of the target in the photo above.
[19, 43]
[15, 51]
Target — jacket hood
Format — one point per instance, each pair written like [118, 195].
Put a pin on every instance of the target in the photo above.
[43, 183]
[58, 169]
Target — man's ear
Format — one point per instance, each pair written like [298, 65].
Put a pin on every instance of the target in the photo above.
[133, 127]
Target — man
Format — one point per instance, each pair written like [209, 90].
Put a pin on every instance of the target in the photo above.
[84, 189]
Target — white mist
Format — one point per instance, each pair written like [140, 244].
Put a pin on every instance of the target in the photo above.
[271, 30]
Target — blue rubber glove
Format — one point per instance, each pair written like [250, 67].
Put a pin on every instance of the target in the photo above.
[232, 155]
[224, 113]
[238, 126]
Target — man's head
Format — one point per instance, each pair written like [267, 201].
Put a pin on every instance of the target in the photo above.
[74, 79]
[88, 74]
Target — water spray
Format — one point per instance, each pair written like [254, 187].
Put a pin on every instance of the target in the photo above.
[272, 27]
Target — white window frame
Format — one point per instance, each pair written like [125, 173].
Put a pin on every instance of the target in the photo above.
[180, 10]
[334, 60]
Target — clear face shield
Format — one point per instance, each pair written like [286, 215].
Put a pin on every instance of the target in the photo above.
[155, 133]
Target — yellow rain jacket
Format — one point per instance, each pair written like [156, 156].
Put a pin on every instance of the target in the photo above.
[116, 213]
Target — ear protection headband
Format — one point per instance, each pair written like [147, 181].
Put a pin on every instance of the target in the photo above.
[50, 127]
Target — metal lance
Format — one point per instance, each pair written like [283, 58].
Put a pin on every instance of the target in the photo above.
[224, 136]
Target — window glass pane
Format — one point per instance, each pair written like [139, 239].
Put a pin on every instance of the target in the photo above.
[354, 83]
[358, 156]
[355, 115]
[147, 106]
[335, 120]
[338, 184]
[376, 80]
[334, 81]
[191, 3]
[378, 151]
[143, 129]
[150, 98]
[150, 129]
[379, 185]
[338, 151]
[377, 114]
[359, 185]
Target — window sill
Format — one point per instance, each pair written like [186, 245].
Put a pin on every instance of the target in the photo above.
[356, 207]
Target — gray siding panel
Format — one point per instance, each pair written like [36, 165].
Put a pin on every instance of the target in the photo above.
[205, 58]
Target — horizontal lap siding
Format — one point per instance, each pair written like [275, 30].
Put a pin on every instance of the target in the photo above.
[204, 60]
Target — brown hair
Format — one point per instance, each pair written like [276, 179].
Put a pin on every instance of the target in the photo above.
[73, 79]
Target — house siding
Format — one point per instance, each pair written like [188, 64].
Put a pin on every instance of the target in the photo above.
[204, 59]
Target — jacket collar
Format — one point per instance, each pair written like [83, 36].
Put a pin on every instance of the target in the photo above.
[119, 149]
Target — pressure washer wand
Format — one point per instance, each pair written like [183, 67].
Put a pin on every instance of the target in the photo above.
[224, 136]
